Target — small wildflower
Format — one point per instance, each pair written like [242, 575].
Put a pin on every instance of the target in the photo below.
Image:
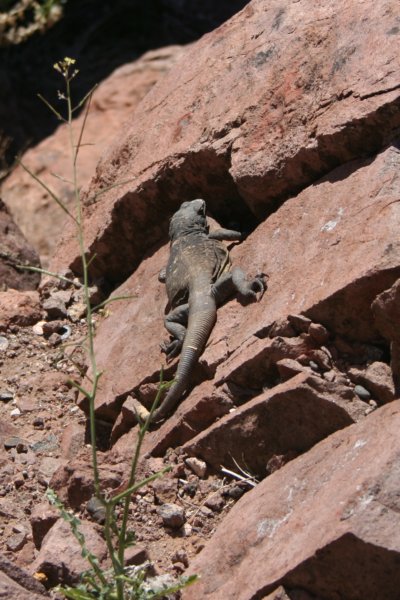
[63, 66]
[60, 95]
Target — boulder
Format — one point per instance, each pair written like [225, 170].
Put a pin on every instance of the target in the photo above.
[115, 99]
[15, 250]
[303, 252]
[286, 420]
[19, 308]
[327, 523]
[60, 555]
[127, 342]
[377, 379]
[253, 112]
[386, 312]
[195, 413]
[17, 584]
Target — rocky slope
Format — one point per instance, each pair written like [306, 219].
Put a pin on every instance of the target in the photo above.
[286, 123]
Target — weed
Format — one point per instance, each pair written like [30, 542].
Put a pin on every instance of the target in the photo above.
[120, 582]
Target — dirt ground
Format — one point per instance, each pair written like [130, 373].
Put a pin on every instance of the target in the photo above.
[44, 436]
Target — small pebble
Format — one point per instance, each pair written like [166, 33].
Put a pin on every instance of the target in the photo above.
[180, 556]
[38, 423]
[12, 442]
[15, 412]
[3, 343]
[6, 396]
[362, 393]
[215, 502]
[172, 515]
[198, 467]
[16, 542]
[38, 328]
[313, 365]
[97, 510]
[318, 332]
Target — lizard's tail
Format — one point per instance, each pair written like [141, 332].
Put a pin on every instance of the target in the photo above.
[202, 316]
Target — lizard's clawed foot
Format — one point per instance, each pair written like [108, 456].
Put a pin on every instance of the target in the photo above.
[171, 348]
[259, 285]
[256, 287]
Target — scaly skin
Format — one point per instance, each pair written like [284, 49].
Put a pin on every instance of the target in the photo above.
[197, 279]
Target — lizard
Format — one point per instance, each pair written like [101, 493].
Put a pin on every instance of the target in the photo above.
[198, 279]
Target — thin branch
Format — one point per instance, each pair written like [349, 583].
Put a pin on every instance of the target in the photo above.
[48, 190]
[140, 484]
[103, 304]
[91, 259]
[50, 273]
[53, 110]
[108, 188]
[61, 178]
[78, 145]
[250, 480]
[83, 100]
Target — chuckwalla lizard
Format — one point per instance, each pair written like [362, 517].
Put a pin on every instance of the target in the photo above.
[198, 278]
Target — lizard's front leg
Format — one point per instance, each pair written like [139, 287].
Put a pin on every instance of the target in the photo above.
[229, 235]
[175, 323]
[236, 281]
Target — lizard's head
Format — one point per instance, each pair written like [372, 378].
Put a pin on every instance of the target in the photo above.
[190, 217]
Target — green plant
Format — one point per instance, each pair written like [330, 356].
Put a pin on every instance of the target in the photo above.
[120, 582]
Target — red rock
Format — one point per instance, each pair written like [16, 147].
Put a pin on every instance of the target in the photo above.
[196, 413]
[17, 584]
[202, 128]
[204, 405]
[319, 333]
[74, 482]
[386, 311]
[125, 420]
[378, 380]
[287, 368]
[278, 594]
[15, 250]
[136, 356]
[42, 519]
[136, 555]
[60, 556]
[42, 221]
[328, 523]
[19, 308]
[16, 541]
[290, 417]
[73, 439]
[284, 246]
[172, 515]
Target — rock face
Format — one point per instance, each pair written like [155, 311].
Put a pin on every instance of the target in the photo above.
[17, 584]
[327, 523]
[253, 112]
[15, 250]
[115, 99]
[19, 308]
[60, 556]
[285, 122]
[286, 420]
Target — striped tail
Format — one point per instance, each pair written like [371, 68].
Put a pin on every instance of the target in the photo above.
[202, 316]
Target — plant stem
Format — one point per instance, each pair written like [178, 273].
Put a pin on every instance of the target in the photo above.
[92, 356]
[142, 431]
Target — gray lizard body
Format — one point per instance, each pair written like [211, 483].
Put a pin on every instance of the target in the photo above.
[198, 279]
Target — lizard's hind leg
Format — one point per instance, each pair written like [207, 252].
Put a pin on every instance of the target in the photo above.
[249, 289]
[175, 323]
